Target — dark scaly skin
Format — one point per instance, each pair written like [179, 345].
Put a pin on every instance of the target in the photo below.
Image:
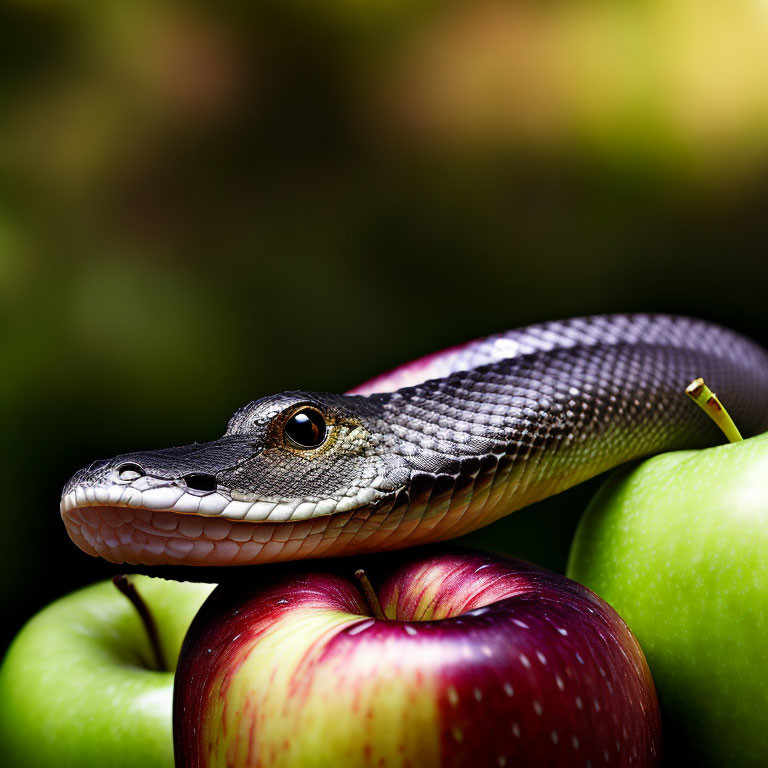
[485, 429]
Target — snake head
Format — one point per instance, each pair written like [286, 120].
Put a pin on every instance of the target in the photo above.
[289, 467]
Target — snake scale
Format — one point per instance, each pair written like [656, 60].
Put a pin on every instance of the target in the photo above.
[434, 449]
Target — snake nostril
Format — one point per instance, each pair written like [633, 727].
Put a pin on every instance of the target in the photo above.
[200, 482]
[130, 471]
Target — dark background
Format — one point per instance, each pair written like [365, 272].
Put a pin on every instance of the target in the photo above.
[202, 205]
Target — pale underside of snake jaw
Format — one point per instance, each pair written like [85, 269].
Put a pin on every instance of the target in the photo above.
[434, 509]
[429, 451]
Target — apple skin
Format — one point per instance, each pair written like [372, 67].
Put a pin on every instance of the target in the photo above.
[489, 661]
[679, 546]
[77, 686]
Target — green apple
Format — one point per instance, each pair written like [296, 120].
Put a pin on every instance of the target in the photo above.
[679, 546]
[79, 685]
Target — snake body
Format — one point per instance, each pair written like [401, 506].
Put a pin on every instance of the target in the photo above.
[436, 448]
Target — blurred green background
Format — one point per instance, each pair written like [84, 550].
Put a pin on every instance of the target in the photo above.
[203, 203]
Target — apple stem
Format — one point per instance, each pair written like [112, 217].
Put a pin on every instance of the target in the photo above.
[126, 586]
[708, 401]
[370, 595]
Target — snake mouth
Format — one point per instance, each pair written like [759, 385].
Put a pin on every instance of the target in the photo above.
[141, 536]
[197, 531]
[159, 494]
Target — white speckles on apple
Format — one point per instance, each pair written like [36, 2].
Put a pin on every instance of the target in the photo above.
[579, 703]
[501, 760]
[543, 727]
[520, 624]
[563, 632]
[575, 741]
[606, 756]
[578, 658]
[597, 705]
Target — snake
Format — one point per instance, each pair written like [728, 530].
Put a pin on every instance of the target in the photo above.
[429, 451]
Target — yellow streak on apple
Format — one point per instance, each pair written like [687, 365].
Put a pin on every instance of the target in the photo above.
[336, 706]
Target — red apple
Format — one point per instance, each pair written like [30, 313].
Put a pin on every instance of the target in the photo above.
[481, 660]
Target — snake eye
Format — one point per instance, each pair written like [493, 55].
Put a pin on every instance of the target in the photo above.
[306, 428]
